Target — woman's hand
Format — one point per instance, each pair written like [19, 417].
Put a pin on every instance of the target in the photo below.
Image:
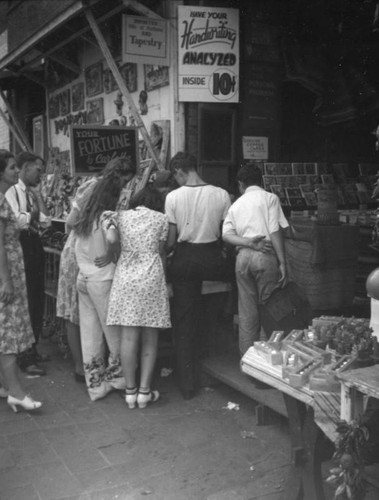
[6, 292]
[103, 260]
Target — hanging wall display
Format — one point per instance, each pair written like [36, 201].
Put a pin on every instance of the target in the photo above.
[64, 102]
[78, 96]
[93, 146]
[95, 111]
[129, 74]
[110, 84]
[94, 79]
[156, 76]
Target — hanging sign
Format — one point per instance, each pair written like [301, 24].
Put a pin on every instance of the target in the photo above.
[208, 54]
[145, 40]
[92, 147]
[255, 148]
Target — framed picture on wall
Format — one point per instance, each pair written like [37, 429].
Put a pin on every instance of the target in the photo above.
[95, 111]
[129, 74]
[78, 96]
[110, 84]
[38, 136]
[156, 76]
[94, 79]
[64, 102]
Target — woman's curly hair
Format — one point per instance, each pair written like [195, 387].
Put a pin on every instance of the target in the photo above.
[105, 195]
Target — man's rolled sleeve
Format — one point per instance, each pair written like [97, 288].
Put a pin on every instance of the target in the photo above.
[228, 226]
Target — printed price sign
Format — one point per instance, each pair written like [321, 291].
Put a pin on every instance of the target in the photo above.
[208, 52]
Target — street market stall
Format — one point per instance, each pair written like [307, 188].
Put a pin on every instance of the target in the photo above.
[306, 366]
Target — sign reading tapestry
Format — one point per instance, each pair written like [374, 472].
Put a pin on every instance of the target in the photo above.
[145, 40]
[208, 52]
[92, 147]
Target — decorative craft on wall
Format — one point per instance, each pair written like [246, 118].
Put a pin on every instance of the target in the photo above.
[94, 79]
[64, 102]
[78, 96]
[110, 84]
[156, 76]
[129, 74]
[95, 111]
[53, 106]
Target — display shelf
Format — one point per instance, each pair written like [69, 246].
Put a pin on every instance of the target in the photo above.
[226, 369]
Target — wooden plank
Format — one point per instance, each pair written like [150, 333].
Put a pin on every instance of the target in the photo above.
[365, 380]
[13, 130]
[20, 130]
[226, 368]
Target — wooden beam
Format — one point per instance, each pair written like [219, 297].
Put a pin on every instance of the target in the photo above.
[20, 130]
[66, 63]
[121, 84]
[77, 34]
[13, 130]
[141, 9]
[41, 34]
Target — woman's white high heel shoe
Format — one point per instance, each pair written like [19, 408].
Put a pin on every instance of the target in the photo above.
[147, 397]
[131, 397]
[27, 403]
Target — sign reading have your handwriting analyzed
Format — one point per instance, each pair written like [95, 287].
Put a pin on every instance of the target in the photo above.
[208, 54]
[92, 147]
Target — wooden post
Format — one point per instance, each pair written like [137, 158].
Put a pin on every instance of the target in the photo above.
[13, 130]
[20, 134]
[121, 84]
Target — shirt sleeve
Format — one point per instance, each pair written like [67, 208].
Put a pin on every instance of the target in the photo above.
[170, 208]
[227, 204]
[276, 216]
[22, 217]
[229, 227]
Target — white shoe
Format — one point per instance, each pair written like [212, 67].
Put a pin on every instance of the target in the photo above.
[27, 403]
[147, 397]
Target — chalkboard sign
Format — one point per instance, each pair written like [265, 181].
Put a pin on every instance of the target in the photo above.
[92, 147]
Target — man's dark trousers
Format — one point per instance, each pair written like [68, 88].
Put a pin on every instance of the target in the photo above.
[34, 260]
[192, 264]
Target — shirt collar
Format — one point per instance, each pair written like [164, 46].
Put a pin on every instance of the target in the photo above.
[21, 184]
[253, 188]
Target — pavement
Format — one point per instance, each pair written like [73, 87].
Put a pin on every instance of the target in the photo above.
[75, 449]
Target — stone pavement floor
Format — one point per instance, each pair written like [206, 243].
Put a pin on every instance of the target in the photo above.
[73, 448]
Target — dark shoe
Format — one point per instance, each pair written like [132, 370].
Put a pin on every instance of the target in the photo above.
[41, 358]
[33, 370]
[80, 378]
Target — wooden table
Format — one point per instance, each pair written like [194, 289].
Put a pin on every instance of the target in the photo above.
[356, 387]
[307, 439]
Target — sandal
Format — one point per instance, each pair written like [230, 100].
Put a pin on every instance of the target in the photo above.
[147, 397]
[131, 397]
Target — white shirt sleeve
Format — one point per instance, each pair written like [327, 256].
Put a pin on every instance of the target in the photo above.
[276, 216]
[229, 227]
[22, 216]
[170, 208]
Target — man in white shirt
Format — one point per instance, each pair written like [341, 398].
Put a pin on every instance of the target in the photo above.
[31, 213]
[254, 225]
[195, 211]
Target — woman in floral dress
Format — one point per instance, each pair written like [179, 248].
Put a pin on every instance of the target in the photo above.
[16, 333]
[139, 298]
